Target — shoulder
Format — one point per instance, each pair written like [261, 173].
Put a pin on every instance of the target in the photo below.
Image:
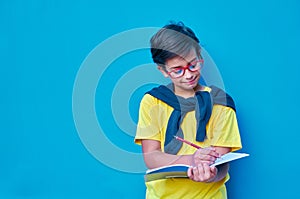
[221, 109]
[148, 101]
[205, 88]
[211, 89]
[220, 97]
[155, 95]
[152, 103]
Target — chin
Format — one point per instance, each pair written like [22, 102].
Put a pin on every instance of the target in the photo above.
[191, 86]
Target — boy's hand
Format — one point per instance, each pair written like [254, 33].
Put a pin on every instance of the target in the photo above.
[205, 155]
[202, 173]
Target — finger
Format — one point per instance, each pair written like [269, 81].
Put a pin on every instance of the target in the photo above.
[214, 170]
[207, 157]
[204, 158]
[206, 162]
[198, 173]
[198, 161]
[190, 173]
[211, 151]
[207, 172]
[202, 172]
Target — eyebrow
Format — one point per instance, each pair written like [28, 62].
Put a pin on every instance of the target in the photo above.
[183, 66]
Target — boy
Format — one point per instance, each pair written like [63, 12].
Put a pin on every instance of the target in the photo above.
[200, 114]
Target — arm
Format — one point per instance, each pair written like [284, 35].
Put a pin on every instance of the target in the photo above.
[222, 169]
[204, 173]
[223, 124]
[154, 157]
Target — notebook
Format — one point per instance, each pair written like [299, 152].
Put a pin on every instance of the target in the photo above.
[180, 170]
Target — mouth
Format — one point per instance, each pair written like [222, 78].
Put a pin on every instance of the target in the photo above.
[193, 81]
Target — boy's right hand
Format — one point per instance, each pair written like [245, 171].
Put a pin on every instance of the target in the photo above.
[205, 155]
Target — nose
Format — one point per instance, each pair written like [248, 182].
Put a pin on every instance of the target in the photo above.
[188, 74]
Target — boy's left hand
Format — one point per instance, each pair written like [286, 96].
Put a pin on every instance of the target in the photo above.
[202, 173]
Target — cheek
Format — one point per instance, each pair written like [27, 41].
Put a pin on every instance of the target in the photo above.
[176, 81]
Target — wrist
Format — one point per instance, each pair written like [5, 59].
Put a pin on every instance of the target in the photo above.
[191, 160]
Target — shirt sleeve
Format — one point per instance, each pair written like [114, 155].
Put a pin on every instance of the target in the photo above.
[222, 128]
[148, 126]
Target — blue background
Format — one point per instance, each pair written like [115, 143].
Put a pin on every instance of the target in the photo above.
[254, 43]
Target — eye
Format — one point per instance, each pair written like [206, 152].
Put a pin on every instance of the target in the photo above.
[192, 66]
[178, 71]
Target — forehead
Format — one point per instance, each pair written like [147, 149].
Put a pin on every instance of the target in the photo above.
[181, 61]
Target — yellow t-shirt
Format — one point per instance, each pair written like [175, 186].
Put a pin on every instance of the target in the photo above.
[221, 130]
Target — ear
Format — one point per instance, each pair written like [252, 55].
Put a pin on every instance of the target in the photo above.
[162, 70]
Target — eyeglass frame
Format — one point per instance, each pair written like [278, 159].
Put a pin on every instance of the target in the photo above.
[184, 68]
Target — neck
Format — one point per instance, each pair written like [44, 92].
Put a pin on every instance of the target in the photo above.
[187, 93]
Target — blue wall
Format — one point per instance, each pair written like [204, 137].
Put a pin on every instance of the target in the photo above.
[255, 45]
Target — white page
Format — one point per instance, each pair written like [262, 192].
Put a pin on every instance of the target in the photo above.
[229, 157]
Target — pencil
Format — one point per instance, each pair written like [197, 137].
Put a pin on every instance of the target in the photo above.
[187, 142]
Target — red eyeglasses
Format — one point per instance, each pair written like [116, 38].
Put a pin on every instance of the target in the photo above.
[192, 67]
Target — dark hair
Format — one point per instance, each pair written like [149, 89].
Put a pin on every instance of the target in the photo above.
[172, 40]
